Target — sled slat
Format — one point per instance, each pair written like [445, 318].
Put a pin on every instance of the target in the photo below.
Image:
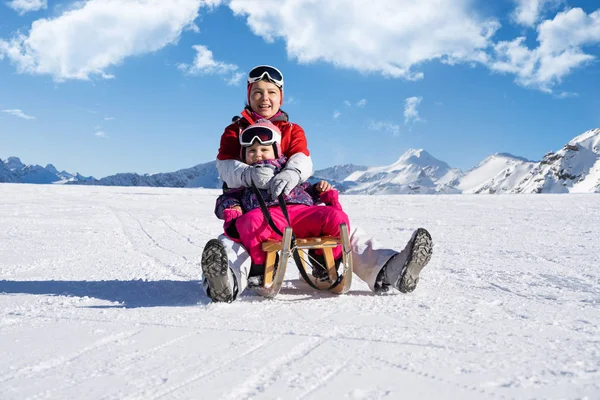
[269, 268]
[318, 242]
[271, 245]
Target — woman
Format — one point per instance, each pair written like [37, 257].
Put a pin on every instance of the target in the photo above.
[226, 265]
[265, 96]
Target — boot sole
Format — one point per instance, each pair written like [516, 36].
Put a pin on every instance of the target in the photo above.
[215, 268]
[420, 255]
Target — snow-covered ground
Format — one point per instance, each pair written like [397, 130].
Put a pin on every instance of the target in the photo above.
[100, 299]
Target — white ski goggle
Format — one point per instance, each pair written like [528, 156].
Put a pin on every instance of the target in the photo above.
[272, 74]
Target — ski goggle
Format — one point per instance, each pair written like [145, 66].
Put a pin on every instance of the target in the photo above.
[272, 74]
[263, 134]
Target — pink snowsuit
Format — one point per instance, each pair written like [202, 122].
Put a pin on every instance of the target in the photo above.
[306, 221]
[306, 218]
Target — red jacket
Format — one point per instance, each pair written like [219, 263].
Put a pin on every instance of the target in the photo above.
[293, 139]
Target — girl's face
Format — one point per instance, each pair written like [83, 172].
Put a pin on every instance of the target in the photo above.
[259, 152]
[265, 98]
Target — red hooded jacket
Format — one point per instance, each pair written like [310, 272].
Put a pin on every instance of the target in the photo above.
[293, 138]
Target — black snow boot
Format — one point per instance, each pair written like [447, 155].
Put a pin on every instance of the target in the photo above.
[222, 286]
[402, 270]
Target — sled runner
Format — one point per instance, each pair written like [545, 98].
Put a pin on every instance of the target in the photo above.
[274, 274]
[320, 272]
[325, 272]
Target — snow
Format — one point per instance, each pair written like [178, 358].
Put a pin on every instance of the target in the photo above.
[100, 299]
[589, 185]
[589, 140]
[497, 173]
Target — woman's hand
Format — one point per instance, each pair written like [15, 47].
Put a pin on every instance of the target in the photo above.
[260, 175]
[323, 186]
[284, 182]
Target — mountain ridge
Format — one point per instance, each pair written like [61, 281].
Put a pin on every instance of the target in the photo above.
[575, 168]
[12, 170]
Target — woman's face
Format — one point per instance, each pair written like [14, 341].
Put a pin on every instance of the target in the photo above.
[259, 152]
[265, 98]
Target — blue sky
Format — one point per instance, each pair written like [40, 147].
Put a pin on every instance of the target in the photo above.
[107, 86]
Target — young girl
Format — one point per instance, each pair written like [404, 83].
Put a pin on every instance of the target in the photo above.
[245, 221]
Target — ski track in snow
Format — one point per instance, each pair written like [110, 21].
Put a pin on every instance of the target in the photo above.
[30, 371]
[100, 298]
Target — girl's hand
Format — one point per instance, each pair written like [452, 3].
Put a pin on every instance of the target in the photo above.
[323, 186]
[229, 214]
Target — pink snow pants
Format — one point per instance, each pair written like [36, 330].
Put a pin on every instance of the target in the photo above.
[306, 221]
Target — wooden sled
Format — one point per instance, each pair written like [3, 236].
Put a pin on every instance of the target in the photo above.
[322, 274]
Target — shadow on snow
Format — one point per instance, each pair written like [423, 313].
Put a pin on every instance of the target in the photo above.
[139, 293]
[129, 294]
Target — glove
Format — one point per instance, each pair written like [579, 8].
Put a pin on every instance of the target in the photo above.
[331, 198]
[284, 182]
[229, 214]
[260, 175]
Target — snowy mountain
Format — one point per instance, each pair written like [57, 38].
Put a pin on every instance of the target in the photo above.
[6, 175]
[573, 169]
[498, 173]
[416, 171]
[14, 171]
[339, 172]
[201, 175]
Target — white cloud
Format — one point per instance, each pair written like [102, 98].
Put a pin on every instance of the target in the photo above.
[336, 114]
[528, 12]
[236, 78]
[360, 104]
[24, 6]
[98, 131]
[559, 51]
[193, 28]
[109, 118]
[411, 114]
[390, 37]
[290, 100]
[567, 95]
[386, 126]
[18, 113]
[95, 35]
[204, 64]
